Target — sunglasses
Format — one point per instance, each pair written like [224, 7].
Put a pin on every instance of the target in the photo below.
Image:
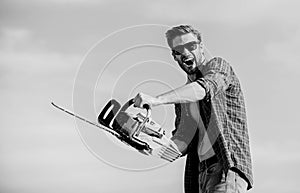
[178, 50]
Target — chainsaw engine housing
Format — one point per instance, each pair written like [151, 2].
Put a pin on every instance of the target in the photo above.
[137, 130]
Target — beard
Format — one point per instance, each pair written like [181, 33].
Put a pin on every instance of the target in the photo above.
[190, 66]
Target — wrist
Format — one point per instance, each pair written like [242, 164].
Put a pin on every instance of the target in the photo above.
[158, 101]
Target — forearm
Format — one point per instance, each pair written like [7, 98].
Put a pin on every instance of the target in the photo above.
[191, 92]
[181, 145]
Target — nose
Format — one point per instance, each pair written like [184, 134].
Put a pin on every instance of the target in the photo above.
[185, 53]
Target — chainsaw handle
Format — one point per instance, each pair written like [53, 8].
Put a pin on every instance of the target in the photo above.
[131, 102]
[145, 106]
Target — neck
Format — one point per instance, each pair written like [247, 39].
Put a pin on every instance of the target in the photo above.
[203, 60]
[194, 76]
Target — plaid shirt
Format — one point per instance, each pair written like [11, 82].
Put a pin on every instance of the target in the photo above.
[223, 116]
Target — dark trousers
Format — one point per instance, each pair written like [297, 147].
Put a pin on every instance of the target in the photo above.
[213, 179]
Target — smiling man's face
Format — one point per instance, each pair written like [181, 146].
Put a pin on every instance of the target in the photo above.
[187, 51]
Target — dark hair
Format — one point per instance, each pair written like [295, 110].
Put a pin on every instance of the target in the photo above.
[180, 30]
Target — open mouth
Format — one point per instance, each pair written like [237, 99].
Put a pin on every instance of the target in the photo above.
[189, 61]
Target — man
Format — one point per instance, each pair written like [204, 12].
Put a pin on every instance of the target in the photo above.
[211, 126]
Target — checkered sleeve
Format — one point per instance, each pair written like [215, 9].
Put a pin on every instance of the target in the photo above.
[216, 77]
[227, 125]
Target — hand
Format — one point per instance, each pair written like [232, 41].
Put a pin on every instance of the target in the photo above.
[167, 151]
[142, 99]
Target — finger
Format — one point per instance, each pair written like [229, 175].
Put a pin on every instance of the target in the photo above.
[170, 159]
[168, 143]
[166, 158]
[163, 154]
[167, 155]
[170, 156]
[173, 145]
[171, 149]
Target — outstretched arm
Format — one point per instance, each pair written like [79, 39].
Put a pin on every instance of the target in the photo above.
[190, 92]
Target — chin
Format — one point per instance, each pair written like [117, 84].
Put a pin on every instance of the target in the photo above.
[191, 71]
[187, 70]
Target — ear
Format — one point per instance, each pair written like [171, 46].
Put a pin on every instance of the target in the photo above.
[201, 47]
[174, 56]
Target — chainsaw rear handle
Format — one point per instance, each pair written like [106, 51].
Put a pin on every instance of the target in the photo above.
[145, 106]
[131, 102]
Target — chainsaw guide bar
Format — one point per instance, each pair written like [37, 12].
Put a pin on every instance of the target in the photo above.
[136, 130]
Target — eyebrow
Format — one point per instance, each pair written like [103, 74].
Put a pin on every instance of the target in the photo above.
[195, 41]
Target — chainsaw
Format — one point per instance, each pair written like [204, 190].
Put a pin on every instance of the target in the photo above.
[137, 130]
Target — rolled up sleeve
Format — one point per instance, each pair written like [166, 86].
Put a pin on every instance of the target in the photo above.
[216, 77]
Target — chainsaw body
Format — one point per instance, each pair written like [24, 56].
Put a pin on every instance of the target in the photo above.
[137, 130]
[134, 129]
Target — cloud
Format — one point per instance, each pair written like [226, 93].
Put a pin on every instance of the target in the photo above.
[283, 153]
[68, 2]
[230, 12]
[284, 54]
[273, 158]
[24, 55]
[21, 52]
[13, 38]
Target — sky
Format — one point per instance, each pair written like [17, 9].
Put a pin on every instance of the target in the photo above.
[80, 54]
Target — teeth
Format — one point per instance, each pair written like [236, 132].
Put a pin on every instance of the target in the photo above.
[189, 61]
